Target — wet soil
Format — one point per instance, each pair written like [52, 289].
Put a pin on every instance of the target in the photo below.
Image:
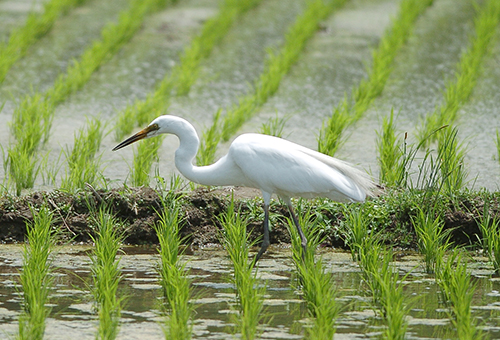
[136, 210]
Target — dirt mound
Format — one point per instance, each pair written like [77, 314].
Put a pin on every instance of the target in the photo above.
[136, 212]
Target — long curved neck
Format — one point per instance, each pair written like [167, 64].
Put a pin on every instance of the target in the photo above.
[185, 154]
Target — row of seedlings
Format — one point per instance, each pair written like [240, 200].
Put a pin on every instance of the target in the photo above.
[32, 118]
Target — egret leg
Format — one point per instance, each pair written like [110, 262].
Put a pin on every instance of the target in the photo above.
[303, 239]
[265, 241]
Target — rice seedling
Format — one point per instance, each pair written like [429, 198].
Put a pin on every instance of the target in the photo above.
[468, 69]
[451, 154]
[83, 165]
[184, 74]
[106, 273]
[317, 285]
[29, 130]
[382, 278]
[35, 27]
[331, 132]
[144, 156]
[33, 117]
[250, 295]
[489, 225]
[274, 126]
[173, 274]
[390, 154]
[357, 233]
[277, 66]
[209, 141]
[457, 289]
[35, 276]
[346, 112]
[433, 239]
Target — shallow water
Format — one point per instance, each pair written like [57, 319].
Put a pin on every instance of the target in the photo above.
[286, 313]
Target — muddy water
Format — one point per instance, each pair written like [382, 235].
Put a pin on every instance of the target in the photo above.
[286, 313]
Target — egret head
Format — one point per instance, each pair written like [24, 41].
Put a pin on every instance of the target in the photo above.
[152, 130]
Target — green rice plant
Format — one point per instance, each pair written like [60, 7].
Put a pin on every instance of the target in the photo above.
[83, 165]
[23, 168]
[274, 126]
[29, 130]
[386, 289]
[277, 66]
[318, 286]
[144, 156]
[35, 27]
[173, 274]
[390, 154]
[346, 113]
[451, 154]
[433, 239]
[250, 295]
[35, 276]
[458, 289]
[468, 69]
[489, 225]
[106, 273]
[356, 233]
[331, 131]
[209, 141]
[184, 74]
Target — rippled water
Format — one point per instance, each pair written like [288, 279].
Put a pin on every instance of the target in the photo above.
[286, 313]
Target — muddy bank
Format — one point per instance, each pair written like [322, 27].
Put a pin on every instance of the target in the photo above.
[136, 210]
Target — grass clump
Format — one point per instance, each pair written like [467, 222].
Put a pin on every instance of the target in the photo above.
[318, 286]
[35, 276]
[35, 27]
[349, 111]
[106, 274]
[250, 295]
[277, 65]
[468, 69]
[83, 165]
[173, 275]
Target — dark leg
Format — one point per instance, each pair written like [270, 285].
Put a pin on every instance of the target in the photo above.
[265, 241]
[299, 229]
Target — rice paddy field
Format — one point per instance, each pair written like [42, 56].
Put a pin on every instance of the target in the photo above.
[117, 245]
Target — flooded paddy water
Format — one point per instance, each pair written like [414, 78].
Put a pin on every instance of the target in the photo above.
[210, 269]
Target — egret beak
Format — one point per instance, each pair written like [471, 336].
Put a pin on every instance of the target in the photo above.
[138, 136]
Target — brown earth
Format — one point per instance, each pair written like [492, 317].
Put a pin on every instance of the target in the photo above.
[136, 210]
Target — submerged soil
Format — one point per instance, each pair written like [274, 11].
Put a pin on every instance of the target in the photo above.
[136, 213]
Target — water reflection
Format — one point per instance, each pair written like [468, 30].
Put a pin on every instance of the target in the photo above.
[286, 313]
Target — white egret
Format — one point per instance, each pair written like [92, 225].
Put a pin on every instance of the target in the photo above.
[271, 164]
